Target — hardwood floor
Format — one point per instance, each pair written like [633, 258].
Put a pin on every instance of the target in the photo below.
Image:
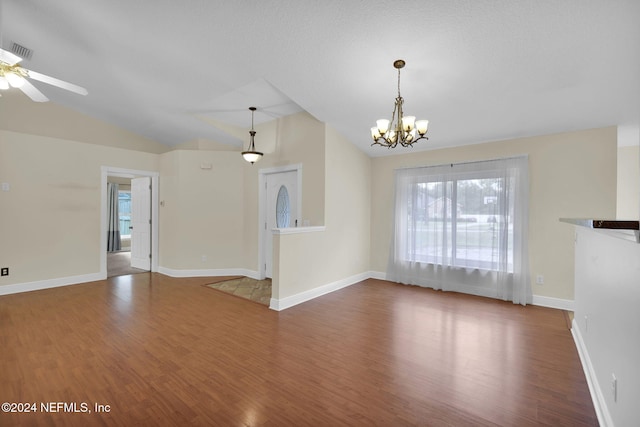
[166, 351]
[119, 263]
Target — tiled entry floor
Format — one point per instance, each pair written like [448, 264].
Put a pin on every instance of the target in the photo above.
[245, 287]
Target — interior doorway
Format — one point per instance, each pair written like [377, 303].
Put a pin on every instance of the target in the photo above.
[280, 207]
[137, 249]
[140, 228]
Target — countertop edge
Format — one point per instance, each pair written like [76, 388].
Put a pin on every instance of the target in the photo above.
[610, 224]
[624, 229]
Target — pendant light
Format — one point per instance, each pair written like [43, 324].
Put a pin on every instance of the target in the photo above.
[251, 155]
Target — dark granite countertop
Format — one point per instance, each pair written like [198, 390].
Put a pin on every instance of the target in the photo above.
[611, 224]
[626, 229]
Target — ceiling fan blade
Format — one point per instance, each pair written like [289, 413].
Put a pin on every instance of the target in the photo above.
[8, 57]
[33, 93]
[56, 82]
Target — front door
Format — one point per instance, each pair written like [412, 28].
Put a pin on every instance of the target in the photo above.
[281, 209]
[141, 223]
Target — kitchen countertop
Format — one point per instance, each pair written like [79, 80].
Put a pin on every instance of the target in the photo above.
[612, 224]
[626, 229]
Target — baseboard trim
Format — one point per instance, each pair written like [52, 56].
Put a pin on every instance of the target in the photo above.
[599, 404]
[549, 302]
[275, 304]
[49, 283]
[299, 298]
[210, 272]
[557, 303]
[379, 275]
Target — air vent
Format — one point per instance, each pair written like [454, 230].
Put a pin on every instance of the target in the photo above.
[21, 51]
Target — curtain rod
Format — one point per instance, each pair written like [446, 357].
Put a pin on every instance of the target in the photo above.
[522, 156]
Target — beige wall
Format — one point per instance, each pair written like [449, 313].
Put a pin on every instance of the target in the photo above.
[214, 212]
[628, 206]
[19, 114]
[296, 139]
[208, 218]
[571, 175]
[201, 212]
[306, 261]
[348, 200]
[50, 218]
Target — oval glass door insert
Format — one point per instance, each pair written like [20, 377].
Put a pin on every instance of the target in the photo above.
[282, 208]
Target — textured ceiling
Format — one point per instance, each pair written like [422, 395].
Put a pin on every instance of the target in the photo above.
[175, 71]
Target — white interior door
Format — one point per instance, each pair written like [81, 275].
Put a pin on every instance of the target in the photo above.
[141, 223]
[281, 209]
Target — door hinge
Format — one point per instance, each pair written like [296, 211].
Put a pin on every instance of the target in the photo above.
[149, 222]
[149, 256]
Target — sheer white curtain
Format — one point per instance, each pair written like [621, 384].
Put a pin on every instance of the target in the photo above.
[463, 227]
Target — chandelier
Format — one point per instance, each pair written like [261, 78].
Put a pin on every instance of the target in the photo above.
[251, 155]
[403, 130]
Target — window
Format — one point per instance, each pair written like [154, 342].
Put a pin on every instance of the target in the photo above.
[463, 227]
[457, 221]
[283, 209]
[124, 212]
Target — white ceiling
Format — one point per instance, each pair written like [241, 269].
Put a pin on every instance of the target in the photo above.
[478, 70]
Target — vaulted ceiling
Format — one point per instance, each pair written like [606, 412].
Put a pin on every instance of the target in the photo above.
[176, 71]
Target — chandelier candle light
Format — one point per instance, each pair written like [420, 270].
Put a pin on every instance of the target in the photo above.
[251, 155]
[403, 130]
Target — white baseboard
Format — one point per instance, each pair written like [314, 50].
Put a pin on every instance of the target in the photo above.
[74, 280]
[275, 304]
[561, 304]
[558, 303]
[284, 303]
[378, 275]
[599, 404]
[210, 272]
[49, 283]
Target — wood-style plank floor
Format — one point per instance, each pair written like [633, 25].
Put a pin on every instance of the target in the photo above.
[166, 351]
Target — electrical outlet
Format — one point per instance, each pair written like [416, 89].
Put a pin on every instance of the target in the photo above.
[614, 387]
[540, 279]
[4, 271]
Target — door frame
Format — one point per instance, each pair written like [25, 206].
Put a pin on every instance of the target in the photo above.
[107, 171]
[262, 209]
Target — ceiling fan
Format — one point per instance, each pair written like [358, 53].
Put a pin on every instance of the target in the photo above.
[14, 75]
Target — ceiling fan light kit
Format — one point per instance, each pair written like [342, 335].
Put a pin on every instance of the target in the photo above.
[251, 155]
[13, 75]
[401, 129]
